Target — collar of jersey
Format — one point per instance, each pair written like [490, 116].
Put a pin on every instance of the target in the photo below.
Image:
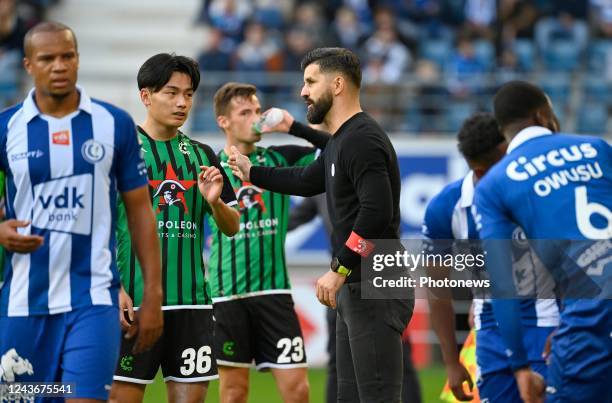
[30, 109]
[527, 134]
[179, 135]
[467, 190]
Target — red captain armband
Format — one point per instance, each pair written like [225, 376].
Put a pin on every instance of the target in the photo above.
[359, 245]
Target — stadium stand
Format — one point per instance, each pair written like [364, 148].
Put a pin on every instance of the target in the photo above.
[262, 42]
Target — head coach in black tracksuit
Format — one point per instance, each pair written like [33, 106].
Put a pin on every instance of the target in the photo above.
[359, 172]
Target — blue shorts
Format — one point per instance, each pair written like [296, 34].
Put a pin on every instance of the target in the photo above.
[580, 367]
[501, 387]
[80, 347]
[496, 382]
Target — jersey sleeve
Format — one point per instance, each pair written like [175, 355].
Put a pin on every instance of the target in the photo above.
[227, 194]
[131, 169]
[437, 224]
[495, 227]
[316, 137]
[296, 155]
[366, 166]
[300, 181]
[437, 220]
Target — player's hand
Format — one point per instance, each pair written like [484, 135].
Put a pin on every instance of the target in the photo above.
[210, 183]
[457, 375]
[531, 385]
[125, 306]
[327, 288]
[283, 126]
[548, 346]
[13, 241]
[240, 164]
[148, 324]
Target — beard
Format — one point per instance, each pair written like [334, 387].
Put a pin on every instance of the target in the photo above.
[318, 110]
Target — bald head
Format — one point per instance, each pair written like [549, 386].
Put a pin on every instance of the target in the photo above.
[29, 42]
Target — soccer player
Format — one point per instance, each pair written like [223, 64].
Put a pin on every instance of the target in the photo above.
[556, 187]
[358, 170]
[254, 314]
[66, 156]
[448, 217]
[186, 183]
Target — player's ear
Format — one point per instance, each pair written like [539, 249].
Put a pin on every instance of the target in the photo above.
[338, 84]
[145, 96]
[27, 65]
[222, 122]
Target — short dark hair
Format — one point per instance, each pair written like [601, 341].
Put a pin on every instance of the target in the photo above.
[229, 91]
[479, 136]
[517, 100]
[158, 69]
[337, 60]
[46, 26]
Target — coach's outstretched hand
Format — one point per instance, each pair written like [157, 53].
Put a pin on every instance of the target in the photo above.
[240, 164]
[148, 324]
[283, 126]
[531, 385]
[13, 241]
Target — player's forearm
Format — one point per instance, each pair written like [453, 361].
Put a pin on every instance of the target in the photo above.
[146, 244]
[141, 224]
[290, 181]
[442, 317]
[317, 138]
[226, 217]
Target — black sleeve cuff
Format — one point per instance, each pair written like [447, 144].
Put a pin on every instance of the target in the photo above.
[349, 259]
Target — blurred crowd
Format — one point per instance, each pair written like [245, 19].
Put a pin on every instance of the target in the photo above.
[392, 36]
[16, 17]
[448, 56]
[427, 64]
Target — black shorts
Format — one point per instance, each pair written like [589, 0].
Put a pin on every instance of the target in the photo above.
[263, 328]
[184, 351]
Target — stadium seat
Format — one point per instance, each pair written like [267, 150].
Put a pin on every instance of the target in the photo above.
[597, 89]
[203, 118]
[525, 53]
[485, 54]
[561, 55]
[270, 17]
[599, 54]
[592, 119]
[557, 86]
[437, 51]
[457, 113]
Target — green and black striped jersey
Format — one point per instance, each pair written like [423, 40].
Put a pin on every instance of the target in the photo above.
[252, 262]
[180, 209]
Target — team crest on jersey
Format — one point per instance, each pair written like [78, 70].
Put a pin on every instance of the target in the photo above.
[519, 239]
[93, 151]
[250, 196]
[183, 147]
[171, 190]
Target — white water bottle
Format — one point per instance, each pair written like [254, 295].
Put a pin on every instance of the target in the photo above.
[270, 119]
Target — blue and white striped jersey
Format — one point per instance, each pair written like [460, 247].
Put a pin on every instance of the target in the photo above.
[448, 216]
[63, 174]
